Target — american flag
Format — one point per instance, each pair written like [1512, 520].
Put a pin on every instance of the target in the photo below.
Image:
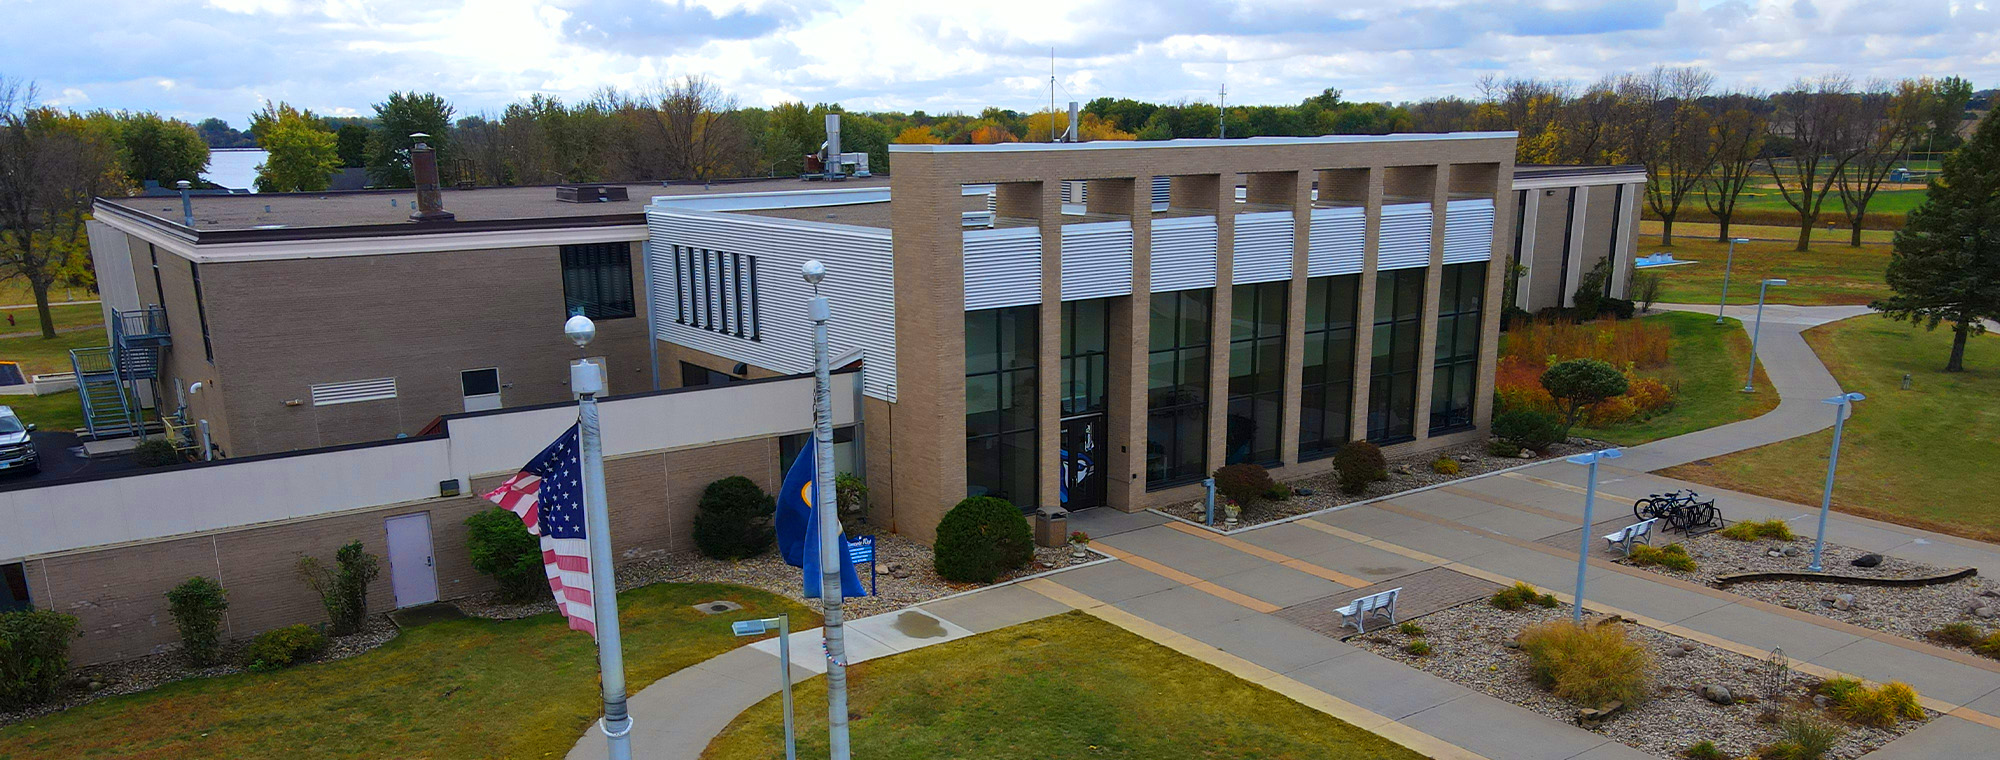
[548, 496]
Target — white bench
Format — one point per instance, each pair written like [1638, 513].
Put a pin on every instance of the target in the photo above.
[1637, 532]
[1382, 604]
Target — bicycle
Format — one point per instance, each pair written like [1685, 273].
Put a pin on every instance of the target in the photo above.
[1681, 510]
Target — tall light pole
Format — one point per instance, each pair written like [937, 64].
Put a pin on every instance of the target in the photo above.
[1840, 406]
[825, 504]
[1727, 267]
[586, 379]
[1757, 330]
[1589, 506]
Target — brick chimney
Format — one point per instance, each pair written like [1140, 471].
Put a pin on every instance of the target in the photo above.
[423, 165]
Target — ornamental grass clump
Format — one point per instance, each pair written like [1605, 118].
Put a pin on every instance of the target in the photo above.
[1590, 665]
[1752, 531]
[1805, 738]
[1521, 595]
[1959, 634]
[1880, 707]
[1671, 557]
[1418, 648]
[1704, 750]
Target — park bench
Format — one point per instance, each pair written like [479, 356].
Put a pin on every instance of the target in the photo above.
[1641, 531]
[1381, 604]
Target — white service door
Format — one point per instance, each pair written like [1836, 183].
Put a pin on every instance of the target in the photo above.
[411, 573]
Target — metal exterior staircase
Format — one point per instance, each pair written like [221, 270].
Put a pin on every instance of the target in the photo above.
[105, 375]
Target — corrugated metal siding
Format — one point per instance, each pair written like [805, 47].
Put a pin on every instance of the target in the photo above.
[860, 281]
[1003, 268]
[1264, 245]
[1096, 260]
[1338, 242]
[1406, 237]
[1183, 253]
[1468, 231]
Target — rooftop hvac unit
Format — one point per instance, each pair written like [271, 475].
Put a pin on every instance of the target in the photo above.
[590, 193]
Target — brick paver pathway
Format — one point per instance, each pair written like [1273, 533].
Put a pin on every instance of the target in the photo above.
[1423, 592]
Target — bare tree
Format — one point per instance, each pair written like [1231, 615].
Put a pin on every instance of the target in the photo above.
[1670, 137]
[1736, 134]
[1819, 118]
[51, 165]
[703, 137]
[1889, 122]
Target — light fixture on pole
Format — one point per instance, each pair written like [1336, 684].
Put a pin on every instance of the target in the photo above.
[1840, 406]
[831, 542]
[1589, 508]
[586, 379]
[1728, 266]
[1756, 330]
[783, 625]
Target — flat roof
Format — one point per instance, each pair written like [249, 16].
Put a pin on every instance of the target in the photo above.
[1198, 142]
[292, 216]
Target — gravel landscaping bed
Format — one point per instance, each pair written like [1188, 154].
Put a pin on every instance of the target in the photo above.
[904, 576]
[1405, 473]
[1470, 646]
[95, 682]
[1908, 612]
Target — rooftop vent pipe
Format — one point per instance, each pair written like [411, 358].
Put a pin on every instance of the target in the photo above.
[187, 203]
[1070, 134]
[832, 150]
[423, 164]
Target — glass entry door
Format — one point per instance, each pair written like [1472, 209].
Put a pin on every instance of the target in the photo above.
[1083, 462]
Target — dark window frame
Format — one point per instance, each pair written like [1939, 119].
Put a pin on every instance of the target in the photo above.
[989, 443]
[1384, 372]
[1329, 330]
[597, 280]
[1257, 391]
[1184, 396]
[1455, 367]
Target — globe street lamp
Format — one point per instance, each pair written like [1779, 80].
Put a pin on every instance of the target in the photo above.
[1589, 507]
[1841, 404]
[1749, 381]
[1727, 267]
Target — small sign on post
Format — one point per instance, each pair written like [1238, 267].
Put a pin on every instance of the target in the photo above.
[748, 628]
[861, 550]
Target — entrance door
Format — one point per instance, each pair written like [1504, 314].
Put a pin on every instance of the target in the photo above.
[411, 573]
[481, 388]
[1083, 462]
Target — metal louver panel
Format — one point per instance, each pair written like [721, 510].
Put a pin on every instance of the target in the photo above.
[1096, 260]
[1264, 245]
[1468, 231]
[1338, 241]
[1003, 268]
[1406, 237]
[1183, 253]
[1163, 188]
[328, 394]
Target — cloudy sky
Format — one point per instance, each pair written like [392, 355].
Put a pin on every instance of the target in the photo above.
[224, 57]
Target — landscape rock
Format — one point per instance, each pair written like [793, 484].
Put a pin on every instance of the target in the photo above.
[1775, 553]
[1821, 701]
[1791, 551]
[1526, 454]
[1843, 602]
[1866, 560]
[1718, 694]
[1984, 613]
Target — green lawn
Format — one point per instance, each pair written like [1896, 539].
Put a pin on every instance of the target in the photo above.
[457, 689]
[14, 290]
[1928, 456]
[30, 320]
[1824, 275]
[1649, 233]
[1766, 197]
[56, 411]
[40, 356]
[1708, 364]
[1069, 686]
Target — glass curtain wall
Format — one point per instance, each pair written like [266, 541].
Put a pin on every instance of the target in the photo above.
[1001, 346]
[1086, 355]
[1256, 372]
[1461, 302]
[1327, 389]
[1177, 388]
[1392, 387]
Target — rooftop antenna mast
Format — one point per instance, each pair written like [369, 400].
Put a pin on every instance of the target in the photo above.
[1052, 95]
[1221, 107]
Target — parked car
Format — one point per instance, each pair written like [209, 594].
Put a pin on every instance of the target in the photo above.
[17, 448]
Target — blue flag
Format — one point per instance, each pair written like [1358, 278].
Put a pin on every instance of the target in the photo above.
[798, 527]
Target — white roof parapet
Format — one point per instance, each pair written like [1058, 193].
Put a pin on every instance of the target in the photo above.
[1199, 142]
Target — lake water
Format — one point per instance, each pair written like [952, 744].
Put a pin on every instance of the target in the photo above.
[234, 167]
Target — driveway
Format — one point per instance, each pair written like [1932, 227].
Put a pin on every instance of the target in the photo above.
[62, 458]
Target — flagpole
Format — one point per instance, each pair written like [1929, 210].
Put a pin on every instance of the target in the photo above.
[586, 379]
[826, 505]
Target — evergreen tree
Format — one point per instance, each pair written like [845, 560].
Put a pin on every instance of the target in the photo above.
[1946, 264]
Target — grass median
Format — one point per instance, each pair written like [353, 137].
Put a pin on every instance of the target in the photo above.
[1825, 274]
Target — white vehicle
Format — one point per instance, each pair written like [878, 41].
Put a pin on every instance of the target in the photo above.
[17, 449]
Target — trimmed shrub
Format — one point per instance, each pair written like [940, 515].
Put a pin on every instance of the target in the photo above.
[1959, 634]
[502, 549]
[1502, 449]
[155, 452]
[1244, 482]
[1359, 463]
[1577, 384]
[1704, 750]
[197, 605]
[1411, 629]
[1645, 289]
[852, 493]
[1671, 557]
[1528, 429]
[343, 590]
[1444, 466]
[1751, 531]
[980, 539]
[1587, 664]
[283, 647]
[34, 655]
[1521, 595]
[1418, 647]
[733, 520]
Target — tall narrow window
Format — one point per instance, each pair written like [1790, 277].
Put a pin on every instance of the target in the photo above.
[1392, 385]
[597, 280]
[1177, 388]
[1086, 347]
[1461, 301]
[201, 312]
[14, 587]
[159, 290]
[1326, 396]
[1256, 372]
[1001, 412]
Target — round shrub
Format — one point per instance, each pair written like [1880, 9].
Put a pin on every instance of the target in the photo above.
[1444, 466]
[1244, 482]
[155, 452]
[283, 647]
[733, 520]
[1359, 463]
[197, 605]
[34, 655]
[980, 539]
[502, 549]
[1576, 384]
[1528, 429]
